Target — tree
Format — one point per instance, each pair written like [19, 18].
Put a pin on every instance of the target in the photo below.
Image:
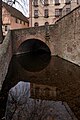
[11, 2]
[1, 33]
[23, 4]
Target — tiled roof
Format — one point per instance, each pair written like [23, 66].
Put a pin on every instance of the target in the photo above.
[14, 12]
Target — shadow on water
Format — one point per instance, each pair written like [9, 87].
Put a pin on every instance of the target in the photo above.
[50, 78]
[33, 62]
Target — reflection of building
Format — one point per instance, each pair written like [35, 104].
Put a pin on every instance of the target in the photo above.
[12, 19]
[42, 91]
[33, 109]
[69, 7]
[43, 12]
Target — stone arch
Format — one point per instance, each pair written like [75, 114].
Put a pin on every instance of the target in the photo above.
[24, 38]
[33, 45]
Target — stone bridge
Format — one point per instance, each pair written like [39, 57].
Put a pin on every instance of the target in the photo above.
[36, 37]
[62, 39]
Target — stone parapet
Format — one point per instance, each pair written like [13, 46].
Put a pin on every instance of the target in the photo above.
[69, 36]
[5, 57]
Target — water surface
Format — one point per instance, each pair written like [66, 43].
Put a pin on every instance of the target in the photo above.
[51, 79]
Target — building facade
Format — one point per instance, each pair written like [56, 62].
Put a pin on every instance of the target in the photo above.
[69, 7]
[12, 19]
[43, 12]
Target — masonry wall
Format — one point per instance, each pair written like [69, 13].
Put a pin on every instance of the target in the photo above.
[63, 37]
[5, 57]
[41, 33]
[68, 43]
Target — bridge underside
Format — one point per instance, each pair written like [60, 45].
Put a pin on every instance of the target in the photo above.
[34, 46]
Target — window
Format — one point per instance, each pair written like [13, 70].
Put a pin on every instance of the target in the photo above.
[46, 2]
[16, 20]
[35, 3]
[20, 21]
[35, 13]
[67, 1]
[46, 23]
[67, 10]
[57, 12]
[36, 24]
[46, 13]
[24, 23]
[6, 28]
[57, 2]
[60, 12]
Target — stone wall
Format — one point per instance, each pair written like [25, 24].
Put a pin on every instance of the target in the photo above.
[63, 38]
[5, 57]
[42, 33]
[68, 43]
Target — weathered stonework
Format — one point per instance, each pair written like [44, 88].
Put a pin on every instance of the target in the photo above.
[40, 33]
[63, 39]
[5, 57]
[69, 37]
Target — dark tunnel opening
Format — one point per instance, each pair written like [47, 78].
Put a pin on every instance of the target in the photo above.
[33, 55]
[33, 46]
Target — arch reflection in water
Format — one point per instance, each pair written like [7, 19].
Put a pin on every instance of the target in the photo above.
[34, 62]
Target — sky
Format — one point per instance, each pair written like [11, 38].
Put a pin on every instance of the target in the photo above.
[25, 9]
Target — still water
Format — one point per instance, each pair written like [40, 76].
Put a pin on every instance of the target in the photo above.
[53, 86]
